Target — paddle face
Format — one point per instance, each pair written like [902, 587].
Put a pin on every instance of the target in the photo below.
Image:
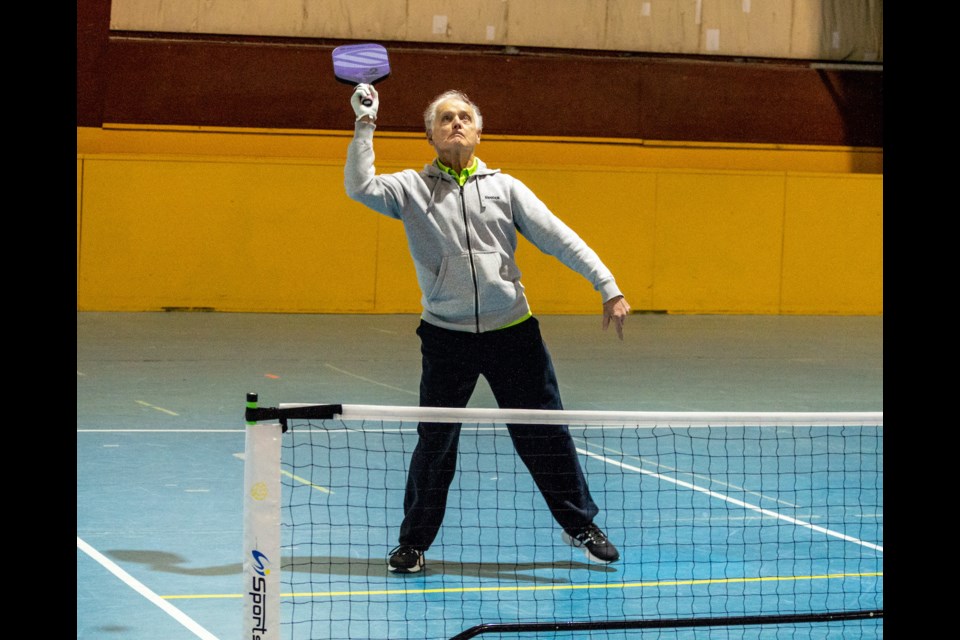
[360, 63]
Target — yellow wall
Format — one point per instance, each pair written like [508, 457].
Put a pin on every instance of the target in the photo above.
[258, 221]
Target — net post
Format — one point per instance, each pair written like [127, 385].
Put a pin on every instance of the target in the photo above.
[261, 528]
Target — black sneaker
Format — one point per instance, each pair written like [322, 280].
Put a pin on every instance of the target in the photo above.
[404, 559]
[594, 543]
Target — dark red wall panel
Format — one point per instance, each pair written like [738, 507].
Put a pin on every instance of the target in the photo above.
[170, 79]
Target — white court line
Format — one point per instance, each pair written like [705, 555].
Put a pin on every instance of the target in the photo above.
[138, 586]
[695, 475]
[161, 430]
[739, 503]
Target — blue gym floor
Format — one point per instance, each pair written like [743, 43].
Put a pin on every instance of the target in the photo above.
[160, 440]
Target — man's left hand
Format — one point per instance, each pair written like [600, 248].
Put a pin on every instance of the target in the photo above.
[617, 310]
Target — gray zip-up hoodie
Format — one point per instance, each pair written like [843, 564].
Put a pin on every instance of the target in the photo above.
[463, 239]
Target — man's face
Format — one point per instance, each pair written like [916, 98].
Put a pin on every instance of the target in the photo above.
[454, 127]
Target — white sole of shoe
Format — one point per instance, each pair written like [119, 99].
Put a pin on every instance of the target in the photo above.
[576, 544]
[414, 569]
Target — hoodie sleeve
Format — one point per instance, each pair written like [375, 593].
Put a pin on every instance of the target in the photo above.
[552, 236]
[384, 193]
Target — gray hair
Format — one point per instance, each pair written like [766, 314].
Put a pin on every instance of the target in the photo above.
[431, 113]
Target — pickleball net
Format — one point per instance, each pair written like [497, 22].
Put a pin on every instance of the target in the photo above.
[730, 525]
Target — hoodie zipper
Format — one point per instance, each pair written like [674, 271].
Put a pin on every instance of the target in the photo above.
[473, 266]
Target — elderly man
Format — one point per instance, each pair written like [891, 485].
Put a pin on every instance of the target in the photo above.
[461, 219]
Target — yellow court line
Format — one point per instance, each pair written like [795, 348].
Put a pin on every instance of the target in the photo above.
[306, 482]
[147, 404]
[371, 381]
[571, 587]
[294, 477]
[625, 585]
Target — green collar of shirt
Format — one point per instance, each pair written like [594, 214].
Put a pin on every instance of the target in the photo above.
[461, 177]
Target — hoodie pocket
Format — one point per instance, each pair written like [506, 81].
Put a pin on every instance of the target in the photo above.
[453, 293]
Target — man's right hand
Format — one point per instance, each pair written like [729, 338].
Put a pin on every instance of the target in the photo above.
[365, 93]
